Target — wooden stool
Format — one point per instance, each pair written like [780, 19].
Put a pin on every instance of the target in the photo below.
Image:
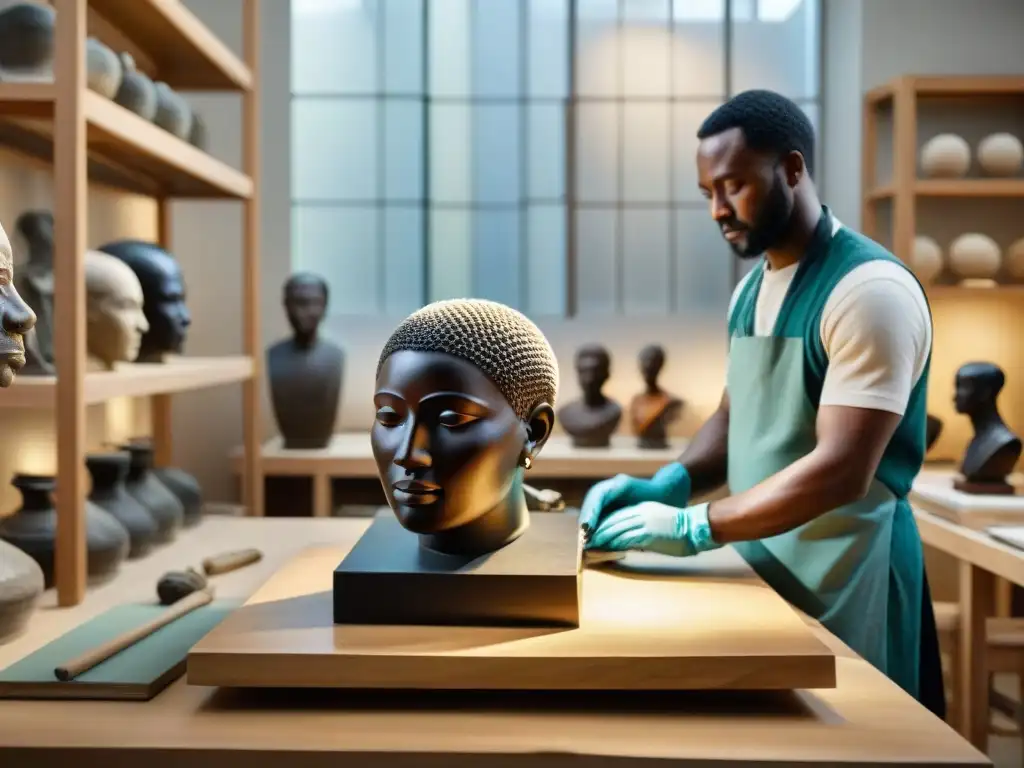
[1004, 652]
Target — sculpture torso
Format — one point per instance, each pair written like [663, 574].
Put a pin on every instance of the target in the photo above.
[651, 413]
[305, 386]
[590, 426]
[991, 455]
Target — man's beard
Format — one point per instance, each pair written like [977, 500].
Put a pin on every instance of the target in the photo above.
[769, 227]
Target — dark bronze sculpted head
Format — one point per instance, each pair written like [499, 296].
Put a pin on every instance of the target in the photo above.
[163, 290]
[305, 303]
[464, 403]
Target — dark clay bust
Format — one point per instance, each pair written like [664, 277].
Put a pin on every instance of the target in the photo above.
[16, 317]
[591, 420]
[463, 406]
[305, 371]
[163, 291]
[35, 279]
[932, 431]
[993, 451]
[654, 409]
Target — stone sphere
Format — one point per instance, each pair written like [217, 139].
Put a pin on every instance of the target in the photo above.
[974, 256]
[946, 156]
[926, 259]
[1001, 154]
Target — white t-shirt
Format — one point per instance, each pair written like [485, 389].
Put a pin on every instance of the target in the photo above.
[876, 330]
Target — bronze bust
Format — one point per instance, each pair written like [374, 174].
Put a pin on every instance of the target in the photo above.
[592, 419]
[993, 451]
[464, 403]
[654, 409]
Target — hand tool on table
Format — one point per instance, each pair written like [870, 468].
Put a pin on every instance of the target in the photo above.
[175, 585]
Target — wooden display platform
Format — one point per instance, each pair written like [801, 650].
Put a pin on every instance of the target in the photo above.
[933, 491]
[706, 629]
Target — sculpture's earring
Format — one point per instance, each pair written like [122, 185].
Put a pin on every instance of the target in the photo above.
[527, 462]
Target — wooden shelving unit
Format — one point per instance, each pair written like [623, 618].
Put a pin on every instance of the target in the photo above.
[91, 139]
[902, 96]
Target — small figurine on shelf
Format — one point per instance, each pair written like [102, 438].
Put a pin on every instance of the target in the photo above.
[654, 409]
[163, 290]
[114, 318]
[16, 317]
[305, 371]
[993, 451]
[591, 420]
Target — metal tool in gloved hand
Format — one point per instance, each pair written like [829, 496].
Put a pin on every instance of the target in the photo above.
[174, 585]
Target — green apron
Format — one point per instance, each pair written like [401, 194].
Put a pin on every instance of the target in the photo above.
[858, 569]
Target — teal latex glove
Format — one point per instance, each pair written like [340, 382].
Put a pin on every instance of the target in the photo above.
[669, 485]
[655, 527]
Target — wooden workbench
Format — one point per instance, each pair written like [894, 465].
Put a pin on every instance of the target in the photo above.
[865, 721]
[981, 560]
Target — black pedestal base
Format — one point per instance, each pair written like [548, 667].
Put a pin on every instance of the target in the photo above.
[387, 578]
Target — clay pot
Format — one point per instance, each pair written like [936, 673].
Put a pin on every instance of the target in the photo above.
[926, 259]
[109, 472]
[21, 583]
[103, 70]
[146, 489]
[197, 137]
[1014, 260]
[186, 488]
[974, 256]
[946, 156]
[136, 92]
[1001, 154]
[33, 530]
[173, 113]
[27, 41]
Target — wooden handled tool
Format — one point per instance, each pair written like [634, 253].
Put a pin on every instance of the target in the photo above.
[83, 663]
[231, 561]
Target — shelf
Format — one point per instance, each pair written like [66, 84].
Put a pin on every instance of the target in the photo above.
[982, 85]
[133, 380]
[956, 188]
[187, 54]
[125, 151]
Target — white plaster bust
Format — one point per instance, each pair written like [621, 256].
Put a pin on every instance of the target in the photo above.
[114, 318]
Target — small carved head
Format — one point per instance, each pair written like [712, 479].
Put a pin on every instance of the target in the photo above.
[16, 317]
[977, 386]
[305, 302]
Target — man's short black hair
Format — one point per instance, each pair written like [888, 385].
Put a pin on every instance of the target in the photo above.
[769, 121]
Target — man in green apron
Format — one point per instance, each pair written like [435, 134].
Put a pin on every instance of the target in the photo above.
[821, 427]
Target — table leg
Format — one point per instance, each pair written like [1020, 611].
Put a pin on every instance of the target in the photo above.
[977, 604]
[321, 496]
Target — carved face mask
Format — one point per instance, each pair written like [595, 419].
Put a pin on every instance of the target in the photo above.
[448, 445]
[16, 318]
[114, 311]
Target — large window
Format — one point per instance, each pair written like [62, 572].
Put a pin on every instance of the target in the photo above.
[535, 152]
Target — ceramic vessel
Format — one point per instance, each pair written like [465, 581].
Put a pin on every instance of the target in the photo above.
[197, 136]
[21, 583]
[103, 70]
[146, 489]
[109, 472]
[926, 259]
[1014, 261]
[945, 156]
[27, 42]
[173, 113]
[975, 256]
[33, 530]
[136, 92]
[186, 488]
[1001, 154]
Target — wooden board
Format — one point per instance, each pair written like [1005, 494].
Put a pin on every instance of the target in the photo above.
[638, 631]
[138, 672]
[933, 491]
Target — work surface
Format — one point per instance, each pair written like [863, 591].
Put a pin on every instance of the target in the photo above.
[865, 721]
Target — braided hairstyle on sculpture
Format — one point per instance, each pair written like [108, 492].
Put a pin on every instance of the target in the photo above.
[500, 341]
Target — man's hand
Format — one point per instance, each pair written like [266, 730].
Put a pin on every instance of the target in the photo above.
[655, 527]
[670, 484]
